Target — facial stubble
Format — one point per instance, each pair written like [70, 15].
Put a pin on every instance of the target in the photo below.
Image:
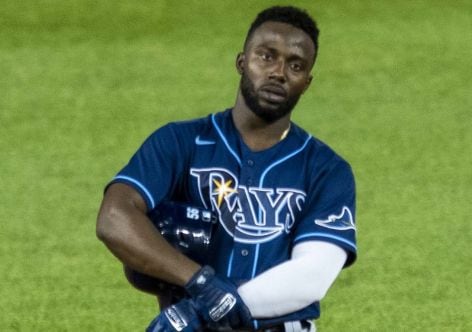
[269, 115]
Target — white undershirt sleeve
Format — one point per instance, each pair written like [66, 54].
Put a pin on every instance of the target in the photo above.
[294, 284]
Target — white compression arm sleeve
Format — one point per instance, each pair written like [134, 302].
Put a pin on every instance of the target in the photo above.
[294, 284]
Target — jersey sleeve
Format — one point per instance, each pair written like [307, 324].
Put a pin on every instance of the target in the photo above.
[330, 214]
[155, 168]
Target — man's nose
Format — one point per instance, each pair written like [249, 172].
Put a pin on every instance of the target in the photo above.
[278, 71]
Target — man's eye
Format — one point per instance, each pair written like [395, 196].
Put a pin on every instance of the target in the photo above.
[296, 67]
[266, 56]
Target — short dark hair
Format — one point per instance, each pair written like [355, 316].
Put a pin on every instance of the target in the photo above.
[294, 16]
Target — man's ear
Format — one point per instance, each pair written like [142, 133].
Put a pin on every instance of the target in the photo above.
[240, 62]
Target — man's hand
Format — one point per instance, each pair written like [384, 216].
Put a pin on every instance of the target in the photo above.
[180, 317]
[217, 301]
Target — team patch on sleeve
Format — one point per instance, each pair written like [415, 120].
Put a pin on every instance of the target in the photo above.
[340, 222]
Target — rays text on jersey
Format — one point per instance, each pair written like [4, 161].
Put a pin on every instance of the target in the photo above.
[249, 214]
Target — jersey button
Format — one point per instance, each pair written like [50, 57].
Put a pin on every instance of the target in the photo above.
[250, 162]
[244, 252]
[249, 181]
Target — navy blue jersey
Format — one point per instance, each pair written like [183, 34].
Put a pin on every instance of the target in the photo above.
[267, 201]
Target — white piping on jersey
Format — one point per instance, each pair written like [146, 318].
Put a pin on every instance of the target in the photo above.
[282, 160]
[329, 236]
[256, 259]
[261, 182]
[230, 263]
[224, 140]
[140, 185]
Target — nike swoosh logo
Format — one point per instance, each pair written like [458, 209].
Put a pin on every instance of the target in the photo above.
[200, 141]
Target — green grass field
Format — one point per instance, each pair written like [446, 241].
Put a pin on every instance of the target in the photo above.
[82, 83]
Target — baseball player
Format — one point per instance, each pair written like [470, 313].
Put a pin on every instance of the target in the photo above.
[284, 201]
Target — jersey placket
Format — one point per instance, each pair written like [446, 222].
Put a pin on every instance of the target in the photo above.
[245, 254]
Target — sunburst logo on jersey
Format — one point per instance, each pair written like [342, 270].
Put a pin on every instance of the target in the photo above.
[223, 189]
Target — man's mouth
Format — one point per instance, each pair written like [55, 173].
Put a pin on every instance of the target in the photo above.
[273, 93]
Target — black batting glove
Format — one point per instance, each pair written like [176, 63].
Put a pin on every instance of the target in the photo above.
[179, 317]
[217, 301]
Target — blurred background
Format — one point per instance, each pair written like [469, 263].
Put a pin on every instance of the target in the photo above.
[83, 83]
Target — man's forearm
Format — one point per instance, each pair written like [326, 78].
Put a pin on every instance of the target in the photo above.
[128, 233]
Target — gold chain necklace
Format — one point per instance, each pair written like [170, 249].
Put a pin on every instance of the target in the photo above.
[285, 133]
